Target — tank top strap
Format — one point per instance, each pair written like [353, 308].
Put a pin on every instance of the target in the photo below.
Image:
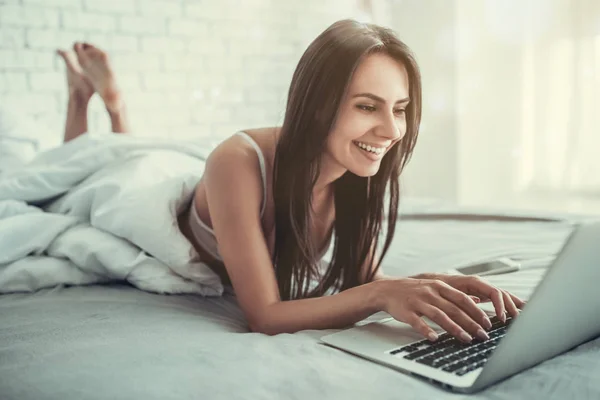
[263, 170]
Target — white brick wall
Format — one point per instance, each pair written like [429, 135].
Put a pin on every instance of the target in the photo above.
[187, 67]
[52, 3]
[110, 6]
[12, 38]
[14, 82]
[88, 21]
[28, 17]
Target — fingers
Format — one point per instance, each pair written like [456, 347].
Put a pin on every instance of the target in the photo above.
[510, 304]
[421, 326]
[453, 308]
[466, 303]
[504, 301]
[464, 320]
[518, 302]
[482, 288]
[441, 318]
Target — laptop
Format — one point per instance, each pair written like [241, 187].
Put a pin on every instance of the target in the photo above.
[561, 314]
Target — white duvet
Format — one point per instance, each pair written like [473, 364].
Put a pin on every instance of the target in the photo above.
[101, 208]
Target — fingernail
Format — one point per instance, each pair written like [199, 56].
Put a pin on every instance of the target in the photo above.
[432, 336]
[503, 316]
[487, 323]
[482, 335]
[466, 337]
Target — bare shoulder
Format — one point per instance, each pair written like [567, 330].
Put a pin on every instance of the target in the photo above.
[235, 145]
[266, 139]
[233, 149]
[236, 153]
[235, 161]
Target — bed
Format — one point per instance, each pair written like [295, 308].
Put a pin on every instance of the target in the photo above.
[116, 341]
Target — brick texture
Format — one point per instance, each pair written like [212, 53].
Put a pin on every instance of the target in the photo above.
[188, 68]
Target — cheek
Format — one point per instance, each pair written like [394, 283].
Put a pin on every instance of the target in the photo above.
[334, 147]
[340, 141]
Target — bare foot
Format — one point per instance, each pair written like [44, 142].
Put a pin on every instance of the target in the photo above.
[80, 86]
[97, 69]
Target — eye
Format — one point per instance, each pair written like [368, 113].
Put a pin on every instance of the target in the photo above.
[398, 111]
[365, 108]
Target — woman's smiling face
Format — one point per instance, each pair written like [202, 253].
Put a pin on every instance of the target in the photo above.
[371, 117]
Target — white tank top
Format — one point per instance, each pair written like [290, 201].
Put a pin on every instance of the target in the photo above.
[205, 236]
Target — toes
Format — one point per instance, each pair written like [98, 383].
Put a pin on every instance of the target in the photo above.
[86, 51]
[93, 51]
[81, 55]
[68, 58]
[87, 46]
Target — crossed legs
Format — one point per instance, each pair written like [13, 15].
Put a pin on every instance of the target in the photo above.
[88, 72]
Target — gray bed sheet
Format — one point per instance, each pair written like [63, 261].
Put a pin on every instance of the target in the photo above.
[117, 342]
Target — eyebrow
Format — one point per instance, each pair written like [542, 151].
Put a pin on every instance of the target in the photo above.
[379, 99]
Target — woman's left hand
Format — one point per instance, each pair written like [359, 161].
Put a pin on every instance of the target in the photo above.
[473, 285]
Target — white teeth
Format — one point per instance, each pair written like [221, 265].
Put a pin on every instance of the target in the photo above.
[369, 148]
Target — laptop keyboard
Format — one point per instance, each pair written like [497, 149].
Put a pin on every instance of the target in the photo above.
[451, 355]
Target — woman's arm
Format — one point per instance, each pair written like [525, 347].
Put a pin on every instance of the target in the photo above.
[234, 192]
[337, 311]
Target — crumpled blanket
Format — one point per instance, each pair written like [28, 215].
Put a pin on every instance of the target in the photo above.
[102, 208]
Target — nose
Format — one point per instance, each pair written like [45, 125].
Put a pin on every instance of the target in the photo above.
[392, 127]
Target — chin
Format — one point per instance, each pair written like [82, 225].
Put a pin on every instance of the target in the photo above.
[365, 172]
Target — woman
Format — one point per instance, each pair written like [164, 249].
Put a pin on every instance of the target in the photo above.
[277, 196]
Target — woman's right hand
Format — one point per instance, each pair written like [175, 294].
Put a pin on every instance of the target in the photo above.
[409, 299]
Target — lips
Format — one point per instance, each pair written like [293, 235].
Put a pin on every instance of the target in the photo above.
[370, 147]
[371, 156]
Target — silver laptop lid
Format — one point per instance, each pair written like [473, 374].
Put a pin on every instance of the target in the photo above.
[562, 311]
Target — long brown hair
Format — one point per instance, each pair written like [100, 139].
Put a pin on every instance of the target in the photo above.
[318, 85]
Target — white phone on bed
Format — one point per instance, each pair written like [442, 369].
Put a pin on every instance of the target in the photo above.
[494, 267]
